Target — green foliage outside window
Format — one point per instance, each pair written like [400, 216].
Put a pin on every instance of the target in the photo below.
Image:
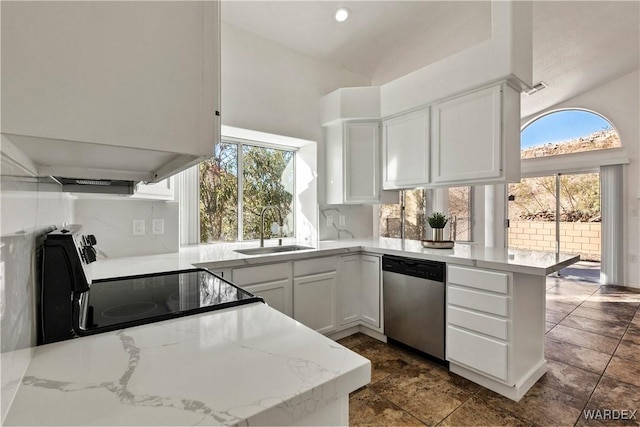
[267, 179]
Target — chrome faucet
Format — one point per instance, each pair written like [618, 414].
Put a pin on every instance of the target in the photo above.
[262, 213]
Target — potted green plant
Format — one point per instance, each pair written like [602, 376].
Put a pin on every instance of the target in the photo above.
[437, 221]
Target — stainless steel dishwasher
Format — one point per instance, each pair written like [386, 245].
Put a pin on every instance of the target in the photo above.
[413, 292]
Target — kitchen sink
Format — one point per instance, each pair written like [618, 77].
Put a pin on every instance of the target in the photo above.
[272, 249]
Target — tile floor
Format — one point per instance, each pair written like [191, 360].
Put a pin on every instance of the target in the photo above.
[593, 354]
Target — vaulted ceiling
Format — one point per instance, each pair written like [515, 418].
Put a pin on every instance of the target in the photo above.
[577, 45]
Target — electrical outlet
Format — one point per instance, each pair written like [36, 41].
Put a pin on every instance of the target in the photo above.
[138, 227]
[342, 220]
[157, 226]
[633, 258]
[329, 220]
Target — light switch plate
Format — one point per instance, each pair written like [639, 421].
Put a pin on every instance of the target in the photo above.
[329, 220]
[138, 227]
[342, 220]
[157, 226]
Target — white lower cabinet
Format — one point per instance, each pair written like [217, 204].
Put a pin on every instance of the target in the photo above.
[359, 290]
[271, 282]
[349, 290]
[495, 328]
[370, 307]
[478, 309]
[314, 301]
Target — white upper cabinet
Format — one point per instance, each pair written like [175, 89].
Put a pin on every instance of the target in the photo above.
[353, 163]
[121, 90]
[405, 150]
[476, 138]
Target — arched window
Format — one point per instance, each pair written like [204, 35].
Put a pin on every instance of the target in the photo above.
[567, 131]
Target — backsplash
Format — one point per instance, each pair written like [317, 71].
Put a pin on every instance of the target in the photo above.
[30, 209]
[111, 221]
[358, 222]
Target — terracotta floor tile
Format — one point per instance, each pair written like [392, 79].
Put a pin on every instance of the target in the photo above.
[367, 408]
[548, 326]
[542, 405]
[632, 334]
[584, 339]
[571, 380]
[352, 340]
[625, 370]
[383, 361]
[628, 350]
[577, 356]
[601, 315]
[554, 316]
[561, 307]
[421, 394]
[611, 394]
[475, 412]
[620, 307]
[610, 329]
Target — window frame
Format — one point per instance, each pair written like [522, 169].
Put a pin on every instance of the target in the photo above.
[240, 143]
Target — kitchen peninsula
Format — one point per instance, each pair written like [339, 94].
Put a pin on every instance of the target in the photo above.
[254, 365]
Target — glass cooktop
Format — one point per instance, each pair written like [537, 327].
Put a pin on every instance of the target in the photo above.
[129, 301]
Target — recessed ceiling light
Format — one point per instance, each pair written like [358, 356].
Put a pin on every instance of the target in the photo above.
[341, 14]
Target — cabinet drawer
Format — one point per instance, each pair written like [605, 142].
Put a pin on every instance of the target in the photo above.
[494, 304]
[486, 280]
[478, 322]
[260, 273]
[480, 353]
[315, 266]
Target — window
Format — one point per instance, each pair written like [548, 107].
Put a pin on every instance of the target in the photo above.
[567, 131]
[236, 183]
[390, 224]
[460, 209]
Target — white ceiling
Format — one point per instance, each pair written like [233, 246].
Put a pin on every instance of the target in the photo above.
[577, 45]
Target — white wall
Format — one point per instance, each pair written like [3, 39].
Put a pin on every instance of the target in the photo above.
[619, 102]
[270, 88]
[111, 221]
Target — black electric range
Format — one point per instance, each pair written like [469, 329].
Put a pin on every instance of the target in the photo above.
[71, 305]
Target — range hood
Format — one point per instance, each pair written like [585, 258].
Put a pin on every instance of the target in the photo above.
[104, 186]
[109, 166]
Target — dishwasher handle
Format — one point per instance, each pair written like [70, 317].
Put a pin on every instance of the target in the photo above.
[425, 269]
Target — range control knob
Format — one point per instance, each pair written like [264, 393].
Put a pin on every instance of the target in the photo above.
[89, 240]
[89, 254]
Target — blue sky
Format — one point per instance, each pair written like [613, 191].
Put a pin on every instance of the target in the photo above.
[562, 126]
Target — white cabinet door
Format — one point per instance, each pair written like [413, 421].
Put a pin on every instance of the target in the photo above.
[352, 151]
[314, 301]
[163, 190]
[467, 137]
[405, 150]
[127, 74]
[275, 294]
[349, 295]
[478, 352]
[271, 281]
[370, 290]
[362, 162]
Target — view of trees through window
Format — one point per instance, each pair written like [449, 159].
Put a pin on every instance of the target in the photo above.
[416, 227]
[460, 213]
[266, 178]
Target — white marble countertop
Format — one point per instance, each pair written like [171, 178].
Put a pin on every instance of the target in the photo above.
[217, 256]
[250, 365]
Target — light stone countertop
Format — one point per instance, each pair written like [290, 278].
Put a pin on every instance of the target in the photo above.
[248, 365]
[222, 255]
